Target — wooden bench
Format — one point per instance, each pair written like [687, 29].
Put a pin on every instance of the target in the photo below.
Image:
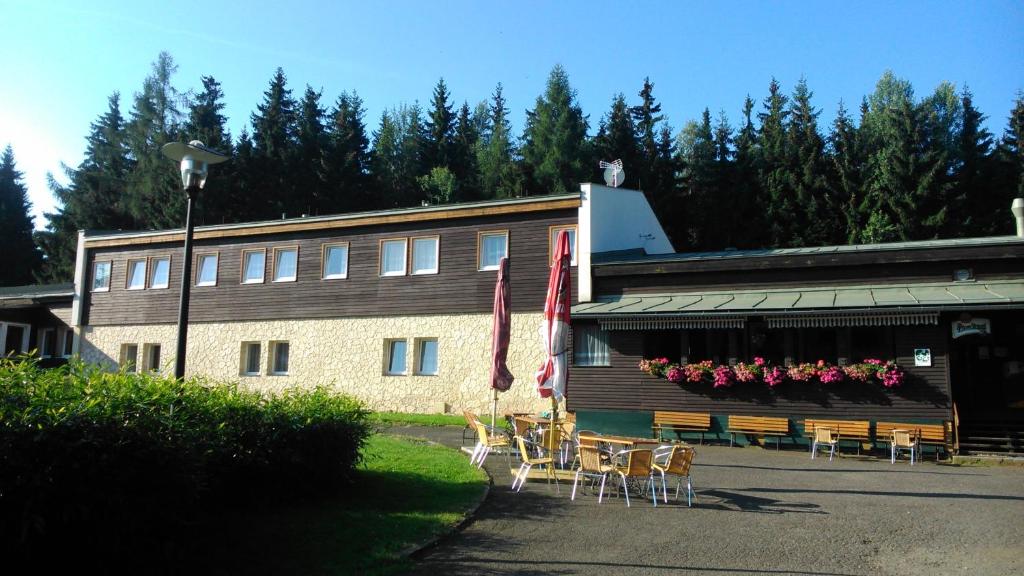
[758, 426]
[933, 434]
[859, 430]
[681, 422]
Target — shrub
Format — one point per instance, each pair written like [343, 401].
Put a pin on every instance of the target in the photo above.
[120, 458]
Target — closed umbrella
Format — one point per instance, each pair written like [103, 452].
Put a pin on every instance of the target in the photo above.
[552, 375]
[501, 378]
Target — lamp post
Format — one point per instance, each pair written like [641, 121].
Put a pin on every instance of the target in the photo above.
[194, 159]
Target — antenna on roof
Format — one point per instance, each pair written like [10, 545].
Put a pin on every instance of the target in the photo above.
[613, 172]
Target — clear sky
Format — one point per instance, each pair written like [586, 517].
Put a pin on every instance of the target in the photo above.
[60, 60]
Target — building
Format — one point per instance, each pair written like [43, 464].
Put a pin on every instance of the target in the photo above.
[37, 318]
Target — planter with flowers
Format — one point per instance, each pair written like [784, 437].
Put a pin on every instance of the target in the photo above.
[885, 373]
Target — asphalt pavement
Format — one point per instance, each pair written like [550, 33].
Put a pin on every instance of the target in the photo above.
[757, 511]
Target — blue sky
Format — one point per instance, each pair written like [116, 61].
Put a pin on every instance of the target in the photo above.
[61, 60]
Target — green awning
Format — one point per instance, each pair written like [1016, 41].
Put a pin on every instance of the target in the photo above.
[888, 304]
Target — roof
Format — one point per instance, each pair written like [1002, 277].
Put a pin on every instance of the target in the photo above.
[916, 296]
[37, 292]
[635, 257]
[391, 216]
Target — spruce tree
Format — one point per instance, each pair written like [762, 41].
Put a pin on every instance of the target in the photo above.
[1008, 169]
[773, 163]
[498, 176]
[219, 201]
[814, 220]
[464, 156]
[348, 160]
[273, 136]
[309, 176]
[437, 147]
[723, 231]
[750, 232]
[22, 259]
[846, 175]
[696, 153]
[397, 157]
[555, 153]
[646, 117]
[616, 140]
[974, 208]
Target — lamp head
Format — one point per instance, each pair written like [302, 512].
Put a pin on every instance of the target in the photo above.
[195, 159]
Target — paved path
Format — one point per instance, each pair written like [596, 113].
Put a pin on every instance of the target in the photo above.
[757, 512]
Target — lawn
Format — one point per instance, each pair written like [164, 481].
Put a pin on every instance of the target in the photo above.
[402, 418]
[405, 492]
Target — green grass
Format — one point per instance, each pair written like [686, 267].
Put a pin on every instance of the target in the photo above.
[392, 418]
[405, 492]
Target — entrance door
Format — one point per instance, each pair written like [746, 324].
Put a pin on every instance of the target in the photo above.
[976, 377]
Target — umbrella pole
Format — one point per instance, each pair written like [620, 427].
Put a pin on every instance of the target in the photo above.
[552, 434]
[494, 408]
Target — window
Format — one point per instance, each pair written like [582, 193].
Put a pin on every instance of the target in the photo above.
[136, 279]
[253, 266]
[151, 357]
[250, 359]
[279, 358]
[335, 261]
[392, 257]
[286, 262]
[207, 273]
[590, 346]
[394, 359]
[68, 347]
[424, 255]
[159, 275]
[426, 356]
[47, 342]
[554, 230]
[129, 357]
[101, 276]
[491, 247]
[14, 338]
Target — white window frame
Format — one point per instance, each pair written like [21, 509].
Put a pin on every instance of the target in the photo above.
[272, 358]
[553, 237]
[480, 248]
[324, 251]
[245, 265]
[437, 255]
[277, 259]
[405, 257]
[128, 274]
[122, 359]
[25, 334]
[246, 356]
[110, 273]
[418, 344]
[65, 350]
[147, 357]
[152, 272]
[42, 343]
[388, 351]
[199, 268]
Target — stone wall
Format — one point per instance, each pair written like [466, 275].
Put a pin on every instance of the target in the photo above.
[349, 355]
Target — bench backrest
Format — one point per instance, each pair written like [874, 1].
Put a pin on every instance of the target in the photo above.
[759, 424]
[929, 432]
[846, 428]
[694, 419]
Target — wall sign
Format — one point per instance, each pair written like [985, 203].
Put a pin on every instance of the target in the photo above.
[922, 356]
[981, 326]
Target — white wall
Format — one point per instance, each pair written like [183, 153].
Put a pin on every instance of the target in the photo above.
[615, 219]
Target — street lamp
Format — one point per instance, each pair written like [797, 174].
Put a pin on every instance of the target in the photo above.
[195, 159]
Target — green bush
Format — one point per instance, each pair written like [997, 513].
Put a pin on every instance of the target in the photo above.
[122, 462]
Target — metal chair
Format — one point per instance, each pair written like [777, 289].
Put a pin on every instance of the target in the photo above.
[903, 440]
[486, 442]
[824, 436]
[529, 461]
[678, 462]
[638, 466]
[591, 466]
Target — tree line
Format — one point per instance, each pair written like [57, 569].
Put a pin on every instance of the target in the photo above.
[899, 168]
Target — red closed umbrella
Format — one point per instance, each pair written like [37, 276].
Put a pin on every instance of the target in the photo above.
[501, 377]
[554, 372]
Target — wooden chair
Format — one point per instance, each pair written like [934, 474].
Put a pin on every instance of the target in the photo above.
[824, 436]
[678, 463]
[638, 466]
[592, 465]
[903, 440]
[529, 461]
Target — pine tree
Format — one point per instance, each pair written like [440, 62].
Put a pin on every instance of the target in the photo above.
[206, 122]
[696, 156]
[273, 137]
[22, 259]
[846, 175]
[773, 163]
[554, 149]
[1008, 169]
[348, 162]
[155, 199]
[723, 232]
[646, 117]
[498, 177]
[95, 198]
[974, 206]
[750, 232]
[309, 175]
[814, 222]
[397, 157]
[464, 156]
[437, 147]
[616, 140]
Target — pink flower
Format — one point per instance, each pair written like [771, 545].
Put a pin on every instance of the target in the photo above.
[773, 376]
[675, 375]
[831, 374]
[758, 361]
[723, 377]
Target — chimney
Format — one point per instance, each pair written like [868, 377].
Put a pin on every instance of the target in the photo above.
[1018, 214]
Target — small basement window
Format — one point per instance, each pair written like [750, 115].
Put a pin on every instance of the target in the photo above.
[394, 357]
[426, 356]
[279, 358]
[151, 357]
[250, 359]
[129, 357]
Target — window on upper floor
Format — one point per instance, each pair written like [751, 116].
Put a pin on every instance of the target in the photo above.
[136, 278]
[491, 248]
[160, 271]
[206, 273]
[553, 240]
[392, 257]
[254, 266]
[335, 261]
[101, 276]
[286, 264]
[425, 255]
